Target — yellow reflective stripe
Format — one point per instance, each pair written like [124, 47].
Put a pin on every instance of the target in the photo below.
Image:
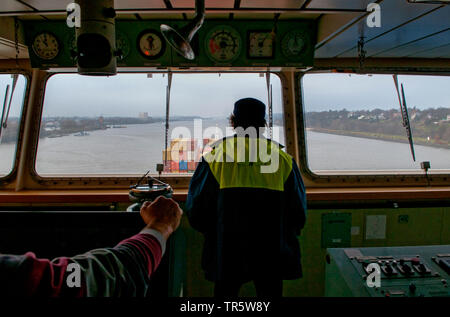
[232, 170]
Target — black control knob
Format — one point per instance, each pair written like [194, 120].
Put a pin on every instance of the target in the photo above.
[406, 268]
[412, 287]
[389, 268]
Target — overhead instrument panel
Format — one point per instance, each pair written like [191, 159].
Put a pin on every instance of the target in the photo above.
[219, 43]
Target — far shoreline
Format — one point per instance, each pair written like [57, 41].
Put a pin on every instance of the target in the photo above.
[378, 136]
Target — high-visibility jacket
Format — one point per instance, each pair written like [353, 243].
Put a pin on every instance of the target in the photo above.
[250, 209]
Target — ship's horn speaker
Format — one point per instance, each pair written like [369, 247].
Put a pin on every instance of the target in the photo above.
[180, 39]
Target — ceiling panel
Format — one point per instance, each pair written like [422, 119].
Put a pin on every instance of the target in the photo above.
[440, 51]
[48, 4]
[12, 5]
[162, 16]
[340, 4]
[298, 15]
[249, 15]
[208, 3]
[138, 4]
[417, 45]
[34, 17]
[219, 4]
[292, 4]
[118, 4]
[427, 25]
[393, 14]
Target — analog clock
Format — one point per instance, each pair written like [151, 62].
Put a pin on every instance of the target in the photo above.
[260, 44]
[223, 44]
[45, 46]
[293, 44]
[150, 44]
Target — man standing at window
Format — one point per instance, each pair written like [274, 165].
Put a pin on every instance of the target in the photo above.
[248, 200]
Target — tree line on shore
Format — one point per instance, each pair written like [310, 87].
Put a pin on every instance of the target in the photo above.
[430, 126]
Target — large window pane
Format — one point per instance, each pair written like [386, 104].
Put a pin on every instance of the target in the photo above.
[201, 105]
[116, 125]
[354, 122]
[11, 121]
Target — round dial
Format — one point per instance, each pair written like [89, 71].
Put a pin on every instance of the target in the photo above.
[123, 45]
[223, 44]
[293, 44]
[150, 44]
[45, 46]
[261, 44]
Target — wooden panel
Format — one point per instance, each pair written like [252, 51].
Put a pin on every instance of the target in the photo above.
[313, 194]
[393, 14]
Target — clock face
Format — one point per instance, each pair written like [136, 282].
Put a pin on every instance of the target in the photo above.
[223, 44]
[45, 46]
[293, 44]
[150, 44]
[261, 44]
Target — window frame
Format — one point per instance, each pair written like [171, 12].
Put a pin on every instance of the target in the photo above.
[10, 177]
[109, 181]
[349, 178]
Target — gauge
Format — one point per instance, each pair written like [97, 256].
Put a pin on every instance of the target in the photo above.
[223, 44]
[45, 46]
[150, 44]
[293, 44]
[261, 44]
[122, 45]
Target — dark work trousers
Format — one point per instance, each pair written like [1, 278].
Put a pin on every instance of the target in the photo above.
[264, 288]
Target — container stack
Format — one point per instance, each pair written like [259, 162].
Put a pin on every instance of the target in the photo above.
[182, 156]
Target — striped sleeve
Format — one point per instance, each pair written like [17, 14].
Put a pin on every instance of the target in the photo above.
[124, 270]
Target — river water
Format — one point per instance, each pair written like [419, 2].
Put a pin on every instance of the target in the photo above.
[138, 148]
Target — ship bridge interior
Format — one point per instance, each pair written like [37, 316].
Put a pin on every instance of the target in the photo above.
[300, 54]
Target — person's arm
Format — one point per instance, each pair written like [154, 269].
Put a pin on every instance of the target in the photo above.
[295, 197]
[120, 271]
[202, 198]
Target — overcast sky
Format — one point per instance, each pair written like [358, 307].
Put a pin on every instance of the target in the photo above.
[209, 95]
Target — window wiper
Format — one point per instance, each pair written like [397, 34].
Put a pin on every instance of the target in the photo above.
[4, 110]
[405, 116]
[5, 115]
[166, 141]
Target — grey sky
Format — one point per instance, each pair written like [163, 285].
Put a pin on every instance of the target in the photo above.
[333, 91]
[209, 95]
[206, 95]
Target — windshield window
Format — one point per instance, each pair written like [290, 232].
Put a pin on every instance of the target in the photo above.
[117, 125]
[354, 123]
[10, 112]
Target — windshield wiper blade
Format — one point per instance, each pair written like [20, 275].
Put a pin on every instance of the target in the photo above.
[405, 116]
[4, 110]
